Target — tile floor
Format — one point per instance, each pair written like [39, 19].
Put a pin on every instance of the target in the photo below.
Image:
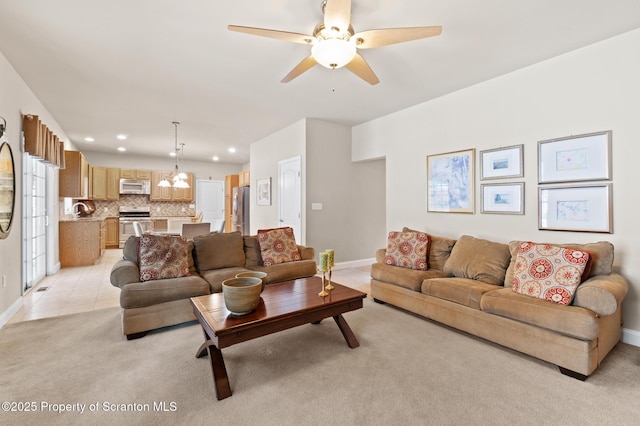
[87, 288]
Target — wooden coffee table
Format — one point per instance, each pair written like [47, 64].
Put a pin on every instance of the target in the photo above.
[282, 306]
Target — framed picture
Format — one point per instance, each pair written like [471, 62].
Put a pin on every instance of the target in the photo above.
[502, 163]
[505, 198]
[263, 192]
[584, 208]
[575, 158]
[450, 182]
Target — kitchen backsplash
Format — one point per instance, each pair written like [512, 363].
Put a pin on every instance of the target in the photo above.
[158, 208]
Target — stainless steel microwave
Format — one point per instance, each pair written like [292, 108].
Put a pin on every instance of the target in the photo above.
[135, 186]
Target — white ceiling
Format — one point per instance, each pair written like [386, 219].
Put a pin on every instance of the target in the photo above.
[134, 66]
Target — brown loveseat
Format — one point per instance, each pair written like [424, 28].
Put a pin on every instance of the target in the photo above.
[468, 287]
[212, 258]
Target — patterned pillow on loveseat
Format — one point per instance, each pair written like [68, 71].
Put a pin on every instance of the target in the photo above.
[278, 246]
[163, 256]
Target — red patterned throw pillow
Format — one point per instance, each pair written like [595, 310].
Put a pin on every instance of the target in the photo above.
[277, 246]
[408, 250]
[549, 272]
[163, 256]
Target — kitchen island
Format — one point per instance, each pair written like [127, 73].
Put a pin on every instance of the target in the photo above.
[82, 241]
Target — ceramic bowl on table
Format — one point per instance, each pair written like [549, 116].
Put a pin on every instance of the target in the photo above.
[254, 274]
[241, 295]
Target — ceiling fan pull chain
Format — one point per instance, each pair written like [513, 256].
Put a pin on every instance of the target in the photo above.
[333, 80]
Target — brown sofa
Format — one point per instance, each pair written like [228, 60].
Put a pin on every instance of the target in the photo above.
[468, 287]
[213, 258]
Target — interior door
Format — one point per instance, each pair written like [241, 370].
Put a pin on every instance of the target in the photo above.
[290, 196]
[210, 200]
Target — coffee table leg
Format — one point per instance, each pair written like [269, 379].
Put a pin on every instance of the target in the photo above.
[220, 379]
[351, 339]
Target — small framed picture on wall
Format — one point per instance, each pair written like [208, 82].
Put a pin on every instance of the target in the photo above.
[502, 163]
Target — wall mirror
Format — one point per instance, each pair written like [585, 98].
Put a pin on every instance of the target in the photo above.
[7, 189]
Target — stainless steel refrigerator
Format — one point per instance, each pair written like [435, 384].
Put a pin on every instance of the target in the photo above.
[240, 210]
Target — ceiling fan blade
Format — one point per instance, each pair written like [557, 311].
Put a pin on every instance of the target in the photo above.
[277, 34]
[386, 36]
[303, 66]
[337, 14]
[361, 68]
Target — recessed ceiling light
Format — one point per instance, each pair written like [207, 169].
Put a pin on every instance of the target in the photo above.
[172, 154]
[121, 137]
[232, 150]
[122, 149]
[89, 139]
[215, 158]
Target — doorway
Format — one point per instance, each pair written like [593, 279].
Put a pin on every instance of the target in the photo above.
[34, 222]
[290, 196]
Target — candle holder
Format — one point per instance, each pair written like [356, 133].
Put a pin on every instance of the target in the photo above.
[323, 293]
[329, 286]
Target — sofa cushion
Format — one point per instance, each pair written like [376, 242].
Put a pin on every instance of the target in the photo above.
[218, 250]
[439, 249]
[464, 291]
[573, 321]
[478, 259]
[403, 277]
[548, 272]
[601, 258]
[407, 249]
[287, 271]
[149, 293]
[162, 257]
[215, 276]
[277, 245]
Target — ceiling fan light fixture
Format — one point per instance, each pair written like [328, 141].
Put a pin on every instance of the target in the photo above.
[333, 52]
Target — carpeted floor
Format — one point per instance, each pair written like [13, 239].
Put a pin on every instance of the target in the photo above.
[406, 371]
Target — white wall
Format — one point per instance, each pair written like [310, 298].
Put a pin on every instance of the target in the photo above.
[265, 155]
[206, 170]
[17, 99]
[352, 195]
[592, 89]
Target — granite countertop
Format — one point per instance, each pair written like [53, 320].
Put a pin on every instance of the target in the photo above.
[83, 219]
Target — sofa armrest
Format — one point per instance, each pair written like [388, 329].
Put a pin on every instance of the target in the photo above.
[306, 253]
[124, 272]
[602, 293]
[380, 255]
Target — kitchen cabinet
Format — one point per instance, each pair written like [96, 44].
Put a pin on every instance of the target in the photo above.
[230, 182]
[112, 229]
[81, 242]
[159, 193]
[244, 178]
[135, 174]
[105, 183]
[74, 178]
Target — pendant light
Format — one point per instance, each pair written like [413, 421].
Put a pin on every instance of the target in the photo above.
[179, 178]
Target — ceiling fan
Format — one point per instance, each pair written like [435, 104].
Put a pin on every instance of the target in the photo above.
[334, 43]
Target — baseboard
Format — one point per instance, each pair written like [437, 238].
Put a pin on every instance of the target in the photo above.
[354, 264]
[11, 311]
[631, 337]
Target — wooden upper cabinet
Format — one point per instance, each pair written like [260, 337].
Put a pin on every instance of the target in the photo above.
[244, 178]
[159, 193]
[104, 183]
[230, 182]
[135, 174]
[74, 178]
